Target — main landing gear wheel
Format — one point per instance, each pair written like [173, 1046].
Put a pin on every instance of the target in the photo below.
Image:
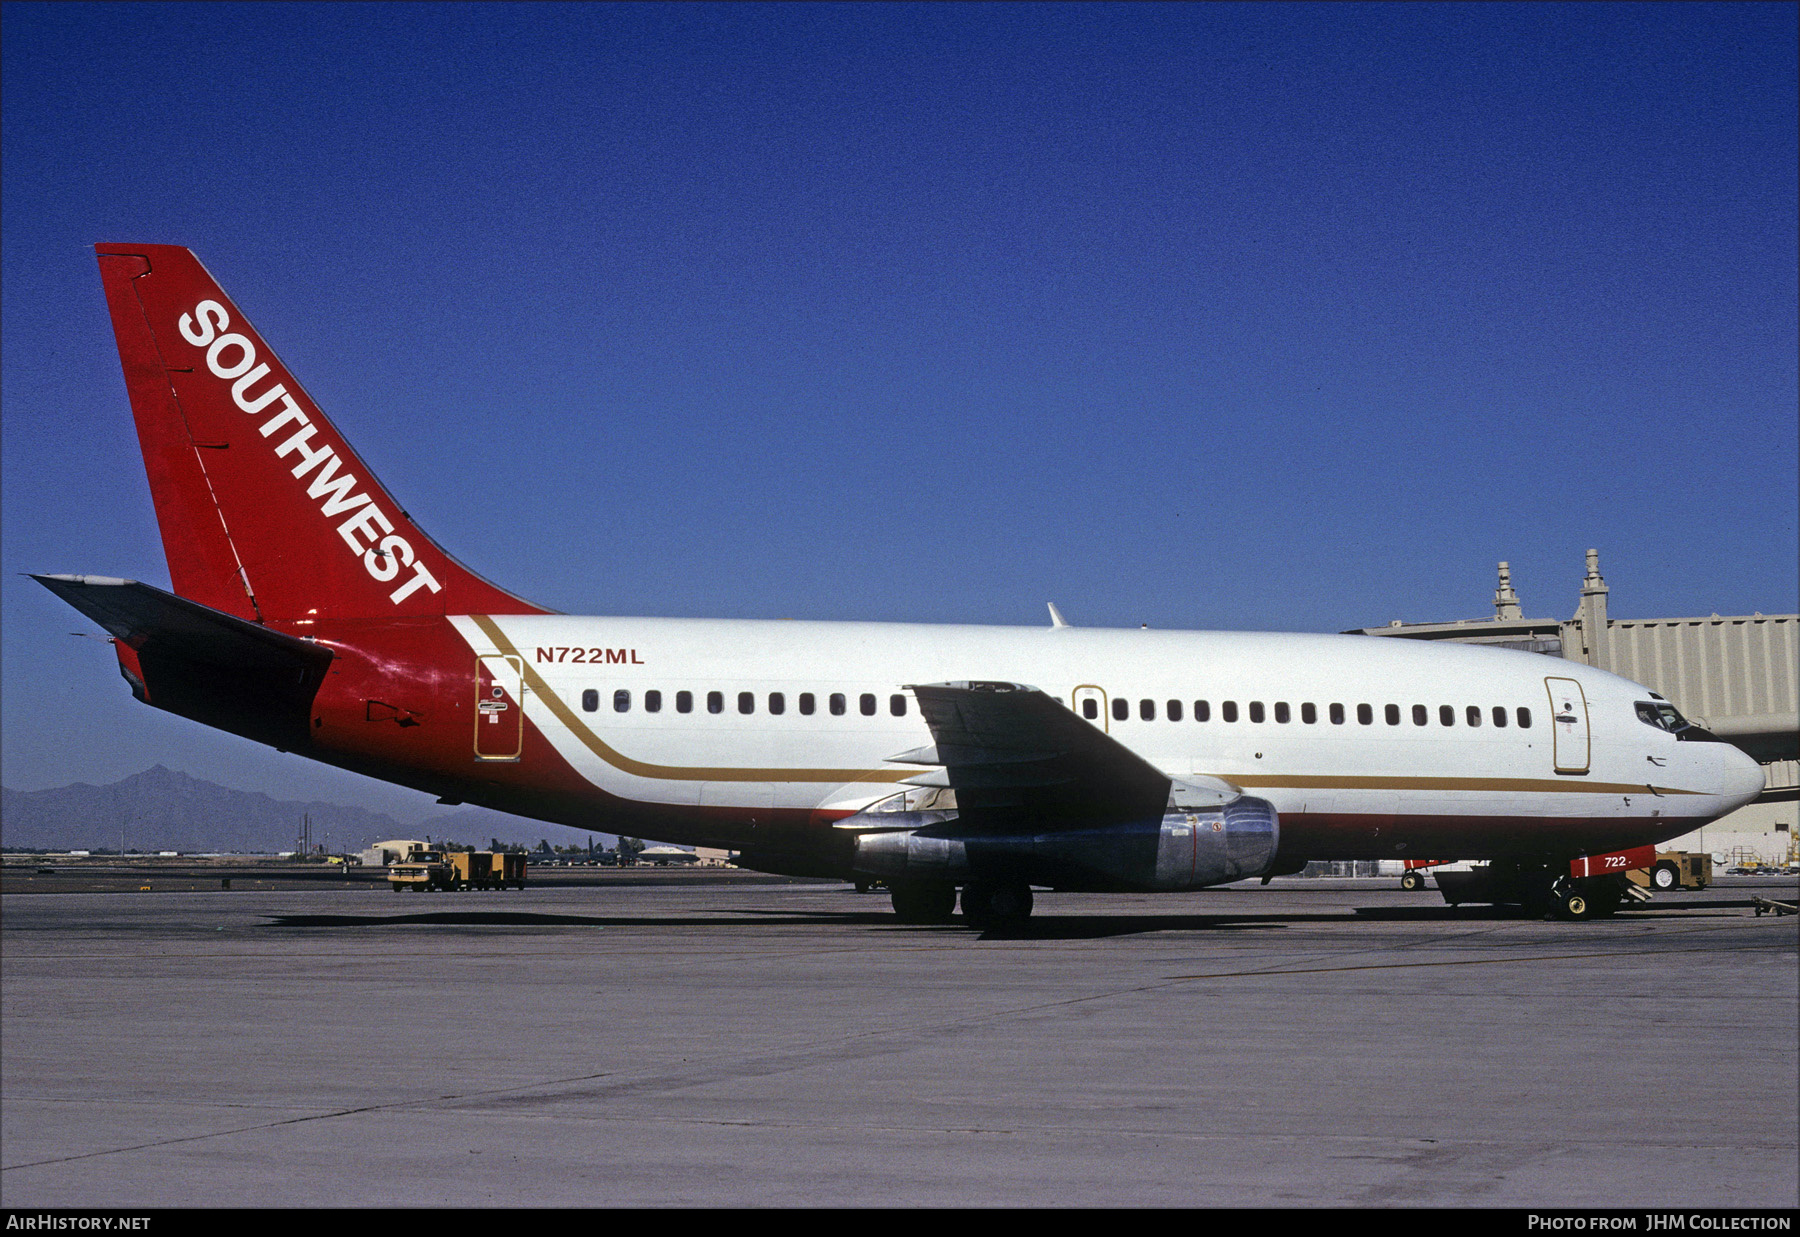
[924, 903]
[1004, 904]
[1411, 881]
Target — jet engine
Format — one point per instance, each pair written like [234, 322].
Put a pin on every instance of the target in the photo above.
[1185, 849]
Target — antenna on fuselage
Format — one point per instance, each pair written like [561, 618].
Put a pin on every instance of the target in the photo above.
[1056, 618]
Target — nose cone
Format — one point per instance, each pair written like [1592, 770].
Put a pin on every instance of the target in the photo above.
[1740, 778]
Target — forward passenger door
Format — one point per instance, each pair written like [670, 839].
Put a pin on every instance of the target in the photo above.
[1569, 721]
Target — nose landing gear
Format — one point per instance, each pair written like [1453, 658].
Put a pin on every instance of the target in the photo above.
[1544, 891]
[1576, 899]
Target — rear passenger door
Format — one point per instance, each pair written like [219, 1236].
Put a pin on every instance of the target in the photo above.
[499, 711]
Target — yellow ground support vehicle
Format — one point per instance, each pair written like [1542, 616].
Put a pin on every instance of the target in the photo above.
[422, 870]
[1675, 869]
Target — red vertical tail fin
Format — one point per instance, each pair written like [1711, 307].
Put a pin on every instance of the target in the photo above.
[266, 513]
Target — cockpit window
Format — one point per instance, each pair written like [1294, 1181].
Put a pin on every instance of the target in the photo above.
[1664, 717]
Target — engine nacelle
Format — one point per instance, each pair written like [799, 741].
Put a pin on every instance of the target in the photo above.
[1187, 849]
[1211, 846]
[902, 854]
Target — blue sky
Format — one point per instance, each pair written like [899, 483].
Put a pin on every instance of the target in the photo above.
[1231, 316]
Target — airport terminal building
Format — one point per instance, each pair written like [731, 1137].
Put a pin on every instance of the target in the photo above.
[1734, 675]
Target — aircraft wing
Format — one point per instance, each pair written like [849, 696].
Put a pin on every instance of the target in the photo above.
[1019, 760]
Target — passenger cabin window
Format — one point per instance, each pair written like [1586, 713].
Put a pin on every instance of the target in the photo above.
[1524, 719]
[1256, 710]
[1281, 712]
[622, 701]
[777, 703]
[1202, 711]
[1446, 715]
[806, 703]
[684, 702]
[746, 702]
[1309, 714]
[1365, 715]
[1174, 707]
[1147, 710]
[1473, 713]
[1420, 715]
[1337, 715]
[1500, 716]
[866, 702]
[1392, 713]
[1121, 709]
[590, 701]
[715, 702]
[897, 705]
[837, 704]
[1228, 710]
[653, 702]
[1090, 708]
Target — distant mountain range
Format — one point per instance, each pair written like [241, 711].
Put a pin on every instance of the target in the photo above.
[160, 809]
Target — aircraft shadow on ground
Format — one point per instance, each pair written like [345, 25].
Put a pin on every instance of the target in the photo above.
[520, 919]
[1480, 911]
[1045, 927]
[1087, 927]
[1040, 928]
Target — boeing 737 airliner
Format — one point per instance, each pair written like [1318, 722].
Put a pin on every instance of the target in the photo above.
[310, 613]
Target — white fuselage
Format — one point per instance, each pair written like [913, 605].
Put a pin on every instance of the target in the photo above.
[1445, 782]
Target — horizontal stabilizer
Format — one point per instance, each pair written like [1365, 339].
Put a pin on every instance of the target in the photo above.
[145, 618]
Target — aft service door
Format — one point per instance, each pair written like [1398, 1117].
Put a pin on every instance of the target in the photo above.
[499, 706]
[1569, 720]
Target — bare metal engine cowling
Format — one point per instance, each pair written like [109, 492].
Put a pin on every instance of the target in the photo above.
[1186, 849]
